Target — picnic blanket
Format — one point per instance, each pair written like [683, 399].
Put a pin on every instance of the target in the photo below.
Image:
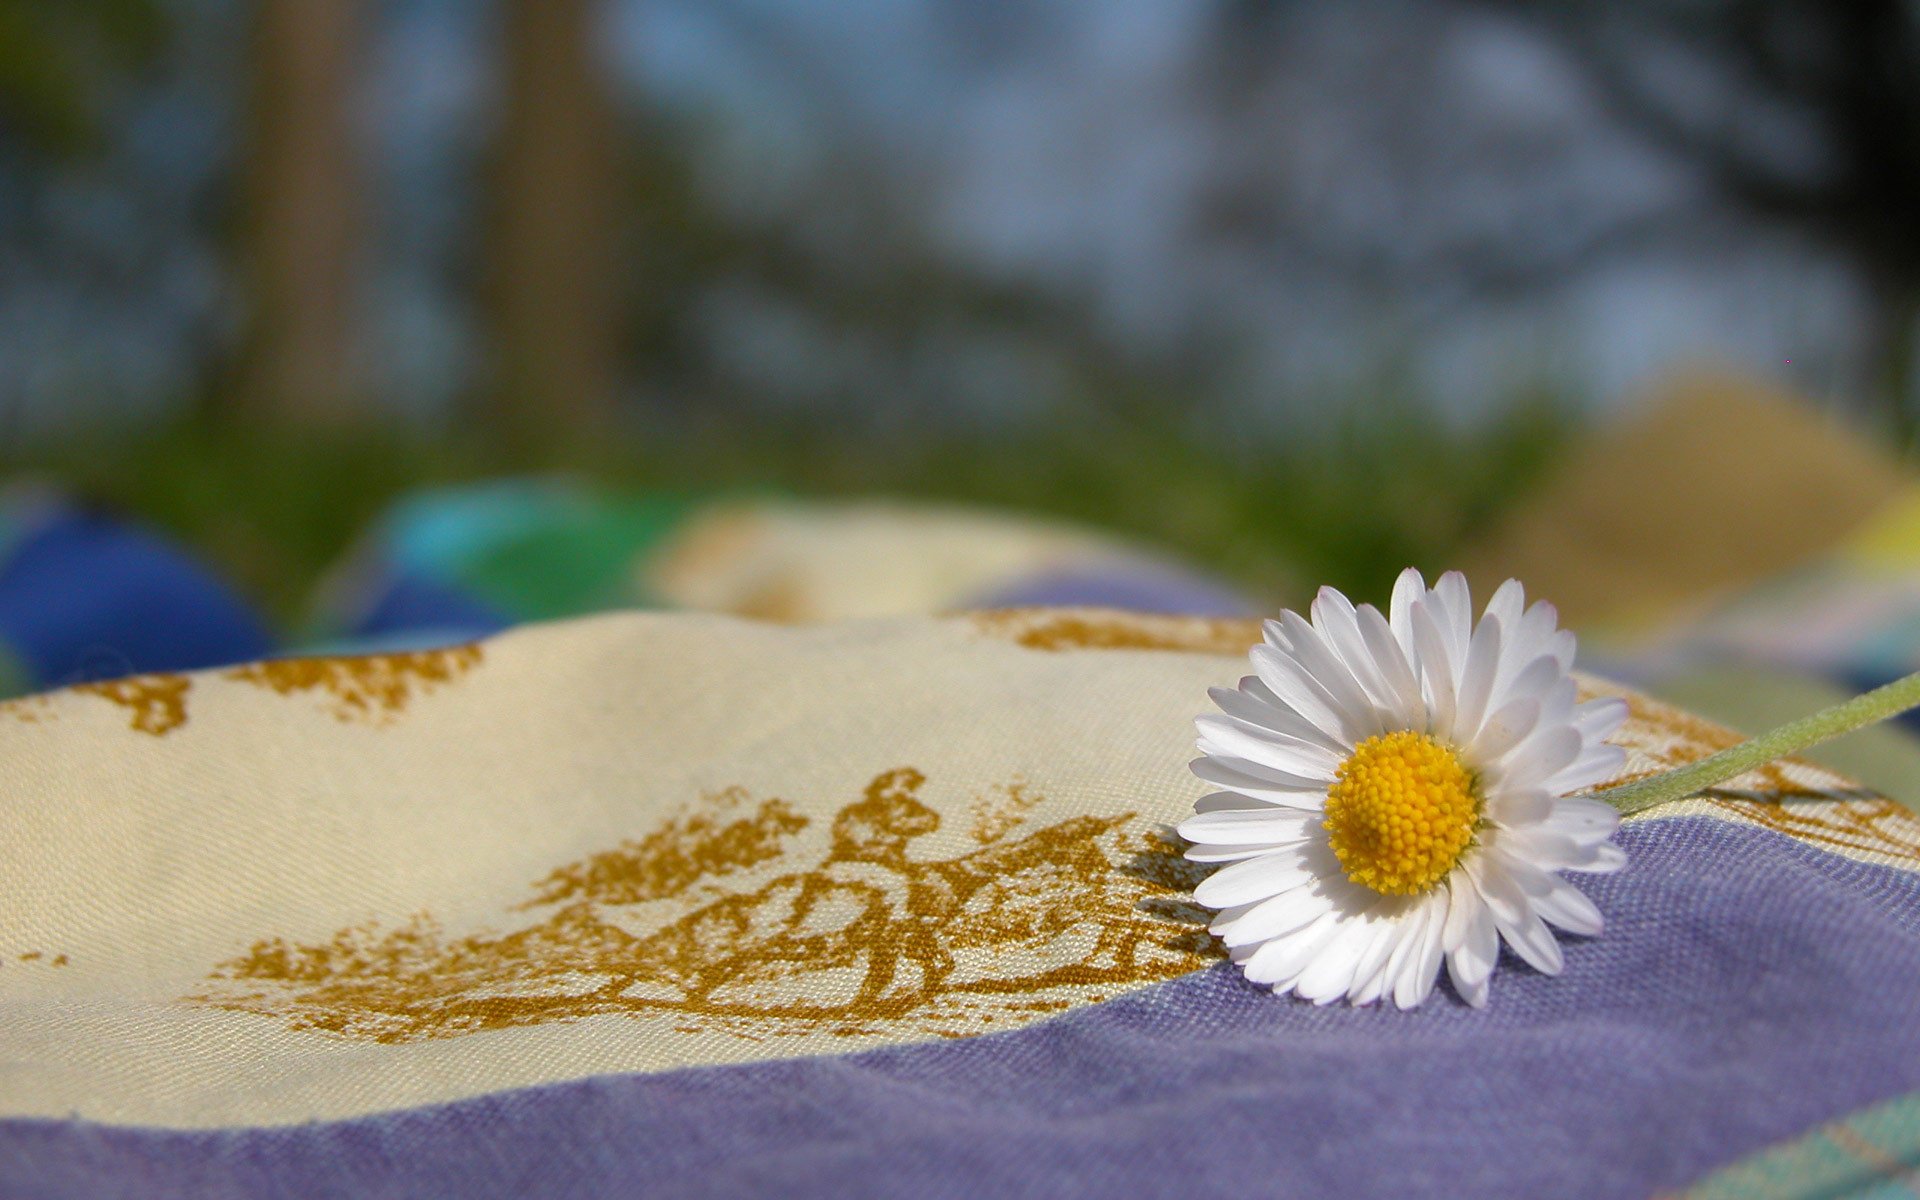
[473, 560]
[679, 904]
[88, 595]
[1710, 484]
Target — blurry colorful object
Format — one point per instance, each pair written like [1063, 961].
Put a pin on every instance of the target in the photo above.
[794, 561]
[1849, 618]
[459, 563]
[85, 595]
[467, 562]
[702, 905]
[1866, 1155]
[1715, 484]
[1852, 614]
[1733, 546]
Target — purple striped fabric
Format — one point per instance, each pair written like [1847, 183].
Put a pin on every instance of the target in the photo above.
[1749, 986]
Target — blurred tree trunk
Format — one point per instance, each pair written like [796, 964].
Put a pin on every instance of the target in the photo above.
[301, 228]
[550, 287]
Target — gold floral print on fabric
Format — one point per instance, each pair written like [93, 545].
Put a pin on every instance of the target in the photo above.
[718, 922]
[1792, 796]
[30, 709]
[368, 687]
[782, 600]
[1047, 629]
[1000, 808]
[41, 958]
[157, 704]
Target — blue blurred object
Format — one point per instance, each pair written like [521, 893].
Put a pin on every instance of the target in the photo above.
[85, 596]
[458, 563]
[409, 612]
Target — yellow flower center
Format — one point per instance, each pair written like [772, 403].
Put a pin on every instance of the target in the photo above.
[1401, 811]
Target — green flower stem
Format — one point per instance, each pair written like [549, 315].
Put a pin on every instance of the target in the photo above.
[1877, 705]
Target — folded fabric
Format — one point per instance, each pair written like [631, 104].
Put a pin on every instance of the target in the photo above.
[453, 564]
[1847, 621]
[460, 563]
[691, 905]
[793, 561]
[1852, 614]
[1732, 481]
[86, 595]
[1873, 1154]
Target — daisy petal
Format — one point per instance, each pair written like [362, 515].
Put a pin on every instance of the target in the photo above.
[1558, 700]
[1350, 699]
[1568, 907]
[1225, 852]
[1456, 602]
[1260, 783]
[1409, 706]
[1544, 754]
[1504, 729]
[1599, 719]
[1531, 680]
[1432, 953]
[1408, 590]
[1230, 802]
[1255, 879]
[1537, 637]
[1436, 672]
[1561, 646]
[1283, 958]
[1530, 938]
[1470, 964]
[1246, 826]
[1330, 974]
[1385, 919]
[1254, 703]
[1422, 965]
[1476, 680]
[1472, 989]
[1276, 917]
[1545, 849]
[1459, 913]
[1339, 623]
[1520, 927]
[1508, 604]
[1225, 735]
[1596, 765]
[1506, 901]
[1300, 693]
[1406, 939]
[1607, 858]
[1583, 819]
[1518, 807]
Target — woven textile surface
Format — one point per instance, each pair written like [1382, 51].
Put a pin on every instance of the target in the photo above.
[676, 904]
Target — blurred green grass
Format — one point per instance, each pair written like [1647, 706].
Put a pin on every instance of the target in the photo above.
[1347, 500]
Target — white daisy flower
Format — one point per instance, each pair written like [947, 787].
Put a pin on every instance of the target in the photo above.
[1397, 795]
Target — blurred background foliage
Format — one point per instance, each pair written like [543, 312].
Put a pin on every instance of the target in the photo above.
[273, 505]
[1305, 292]
[61, 66]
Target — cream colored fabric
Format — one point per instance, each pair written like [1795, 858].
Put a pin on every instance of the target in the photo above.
[794, 561]
[322, 888]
